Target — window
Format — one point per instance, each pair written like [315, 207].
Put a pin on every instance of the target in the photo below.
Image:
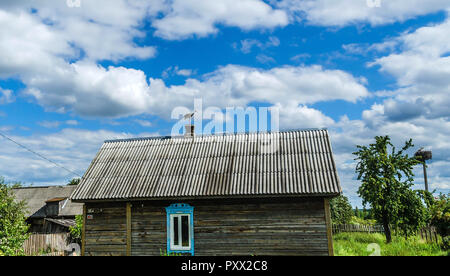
[180, 228]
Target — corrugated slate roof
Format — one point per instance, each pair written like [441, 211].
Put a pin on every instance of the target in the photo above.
[36, 197]
[250, 164]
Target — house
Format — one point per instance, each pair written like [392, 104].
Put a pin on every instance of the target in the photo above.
[230, 194]
[49, 209]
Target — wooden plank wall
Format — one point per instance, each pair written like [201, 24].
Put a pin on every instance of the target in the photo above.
[232, 227]
[106, 230]
[39, 243]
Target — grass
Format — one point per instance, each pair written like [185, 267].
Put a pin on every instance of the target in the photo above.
[356, 244]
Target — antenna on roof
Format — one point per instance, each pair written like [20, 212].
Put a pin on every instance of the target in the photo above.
[189, 128]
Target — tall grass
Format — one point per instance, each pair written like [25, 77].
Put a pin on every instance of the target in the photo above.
[356, 244]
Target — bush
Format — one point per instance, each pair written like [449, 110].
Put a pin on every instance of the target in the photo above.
[75, 231]
[13, 228]
[341, 210]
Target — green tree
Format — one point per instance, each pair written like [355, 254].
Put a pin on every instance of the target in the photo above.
[341, 210]
[440, 214]
[386, 180]
[75, 231]
[13, 228]
[74, 181]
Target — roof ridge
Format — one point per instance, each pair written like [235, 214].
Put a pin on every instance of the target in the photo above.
[211, 135]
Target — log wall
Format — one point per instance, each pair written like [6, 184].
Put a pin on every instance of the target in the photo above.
[225, 227]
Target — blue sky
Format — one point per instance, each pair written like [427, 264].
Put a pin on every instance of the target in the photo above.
[75, 73]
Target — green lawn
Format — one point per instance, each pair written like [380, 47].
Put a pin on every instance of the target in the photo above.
[356, 244]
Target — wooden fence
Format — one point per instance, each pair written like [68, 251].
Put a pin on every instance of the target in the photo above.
[46, 244]
[357, 228]
[428, 234]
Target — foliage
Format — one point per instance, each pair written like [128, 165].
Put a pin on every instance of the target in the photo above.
[74, 182]
[165, 253]
[341, 210]
[13, 228]
[363, 214]
[75, 231]
[446, 243]
[386, 181]
[440, 215]
[356, 244]
[360, 221]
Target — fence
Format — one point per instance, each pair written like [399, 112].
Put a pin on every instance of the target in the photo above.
[46, 244]
[357, 228]
[428, 234]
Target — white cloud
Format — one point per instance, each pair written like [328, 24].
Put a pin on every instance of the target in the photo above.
[302, 117]
[143, 123]
[186, 18]
[6, 96]
[248, 44]
[71, 148]
[422, 71]
[175, 70]
[347, 12]
[93, 91]
[49, 124]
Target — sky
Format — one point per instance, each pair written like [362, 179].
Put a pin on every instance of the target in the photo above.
[75, 73]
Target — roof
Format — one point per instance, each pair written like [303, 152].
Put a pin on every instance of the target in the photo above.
[36, 198]
[56, 199]
[243, 165]
[63, 222]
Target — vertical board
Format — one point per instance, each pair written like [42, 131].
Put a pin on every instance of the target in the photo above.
[326, 202]
[128, 229]
[83, 231]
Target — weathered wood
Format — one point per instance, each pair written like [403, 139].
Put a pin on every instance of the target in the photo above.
[326, 202]
[83, 232]
[233, 227]
[106, 232]
[39, 243]
[128, 229]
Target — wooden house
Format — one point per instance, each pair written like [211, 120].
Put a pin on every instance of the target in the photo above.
[231, 194]
[49, 209]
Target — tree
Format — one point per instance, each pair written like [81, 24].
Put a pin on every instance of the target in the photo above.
[74, 181]
[76, 230]
[440, 214]
[13, 228]
[341, 210]
[386, 180]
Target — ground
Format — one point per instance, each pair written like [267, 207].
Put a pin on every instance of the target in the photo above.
[364, 244]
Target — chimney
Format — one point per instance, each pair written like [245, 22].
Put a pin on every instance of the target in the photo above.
[189, 131]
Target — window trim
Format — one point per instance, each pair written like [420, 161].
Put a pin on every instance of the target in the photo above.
[178, 210]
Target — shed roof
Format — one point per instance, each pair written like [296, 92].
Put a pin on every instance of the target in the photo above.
[245, 165]
[36, 198]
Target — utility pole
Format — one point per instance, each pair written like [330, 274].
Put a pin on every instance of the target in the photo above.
[423, 156]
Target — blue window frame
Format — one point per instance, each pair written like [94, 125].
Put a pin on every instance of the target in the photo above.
[180, 228]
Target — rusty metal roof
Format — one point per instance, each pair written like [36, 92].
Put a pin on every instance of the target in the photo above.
[246, 165]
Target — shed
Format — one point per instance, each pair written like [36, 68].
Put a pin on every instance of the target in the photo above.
[49, 209]
[229, 194]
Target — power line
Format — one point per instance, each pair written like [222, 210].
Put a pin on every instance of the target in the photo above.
[40, 155]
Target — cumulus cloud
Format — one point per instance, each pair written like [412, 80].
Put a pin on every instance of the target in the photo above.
[347, 12]
[186, 18]
[94, 91]
[422, 71]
